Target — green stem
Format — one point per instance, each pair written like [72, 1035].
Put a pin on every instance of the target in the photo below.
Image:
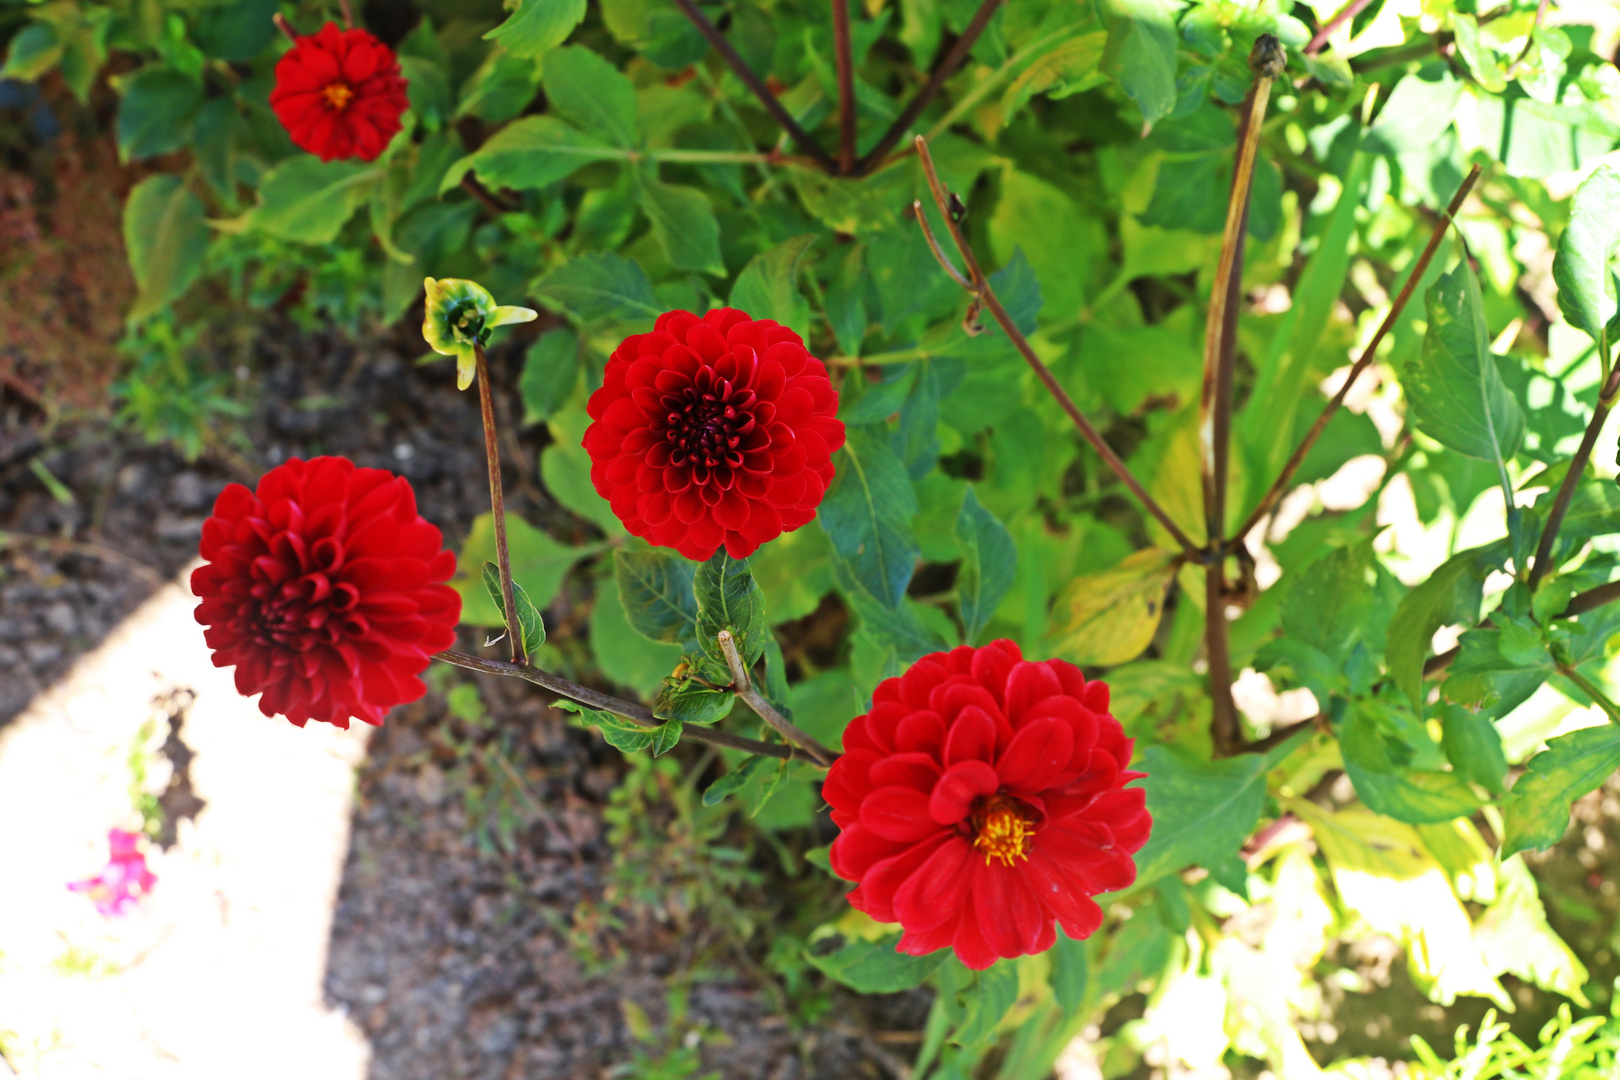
[1590, 689]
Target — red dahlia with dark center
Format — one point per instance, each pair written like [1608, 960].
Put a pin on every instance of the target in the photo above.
[982, 799]
[325, 590]
[713, 431]
[339, 94]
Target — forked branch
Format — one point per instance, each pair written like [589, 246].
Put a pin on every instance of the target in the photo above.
[978, 286]
[743, 687]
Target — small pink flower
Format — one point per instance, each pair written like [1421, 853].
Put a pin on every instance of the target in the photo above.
[123, 881]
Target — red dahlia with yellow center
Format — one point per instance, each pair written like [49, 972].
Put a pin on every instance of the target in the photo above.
[983, 799]
[339, 94]
[325, 590]
[713, 431]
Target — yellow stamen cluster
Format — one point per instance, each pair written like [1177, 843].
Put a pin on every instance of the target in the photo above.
[338, 95]
[1002, 832]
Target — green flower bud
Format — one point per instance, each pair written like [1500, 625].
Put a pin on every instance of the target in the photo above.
[460, 315]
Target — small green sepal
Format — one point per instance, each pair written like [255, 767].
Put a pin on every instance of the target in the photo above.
[460, 315]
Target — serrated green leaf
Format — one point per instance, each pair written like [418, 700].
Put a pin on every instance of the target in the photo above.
[620, 733]
[598, 287]
[768, 287]
[873, 967]
[867, 514]
[989, 564]
[532, 152]
[1457, 396]
[1141, 53]
[307, 200]
[166, 235]
[656, 590]
[1571, 766]
[683, 222]
[728, 598]
[537, 25]
[1450, 596]
[1584, 267]
[584, 88]
[1415, 796]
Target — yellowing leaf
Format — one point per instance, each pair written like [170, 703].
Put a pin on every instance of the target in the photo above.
[1109, 618]
[1387, 877]
[1514, 937]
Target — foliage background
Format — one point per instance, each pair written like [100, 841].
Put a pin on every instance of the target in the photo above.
[602, 162]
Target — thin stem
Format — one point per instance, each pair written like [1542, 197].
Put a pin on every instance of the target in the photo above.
[743, 687]
[984, 294]
[939, 252]
[1348, 12]
[636, 714]
[348, 15]
[740, 68]
[947, 67]
[844, 54]
[492, 202]
[1215, 408]
[285, 27]
[1419, 268]
[1577, 469]
[497, 507]
[1609, 708]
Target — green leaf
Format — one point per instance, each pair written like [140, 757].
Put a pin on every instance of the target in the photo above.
[1474, 747]
[898, 628]
[598, 287]
[539, 564]
[1484, 678]
[1477, 54]
[583, 87]
[691, 702]
[665, 736]
[1585, 266]
[620, 733]
[1071, 971]
[1514, 936]
[1202, 810]
[621, 654]
[985, 1001]
[872, 967]
[656, 590]
[156, 113]
[1457, 396]
[768, 287]
[683, 222]
[500, 89]
[528, 616]
[1594, 510]
[533, 152]
[989, 563]
[867, 513]
[1141, 53]
[537, 25]
[1570, 767]
[733, 781]
[550, 371]
[1110, 617]
[1415, 796]
[306, 200]
[1069, 67]
[33, 52]
[728, 598]
[1418, 110]
[1450, 596]
[166, 235]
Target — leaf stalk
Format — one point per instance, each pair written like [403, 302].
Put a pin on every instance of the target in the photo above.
[743, 687]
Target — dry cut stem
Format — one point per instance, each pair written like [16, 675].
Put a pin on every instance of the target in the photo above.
[1215, 407]
[844, 53]
[1577, 469]
[743, 687]
[978, 286]
[636, 714]
[497, 507]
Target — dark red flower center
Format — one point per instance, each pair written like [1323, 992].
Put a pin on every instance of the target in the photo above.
[338, 95]
[705, 426]
[1002, 828]
[304, 609]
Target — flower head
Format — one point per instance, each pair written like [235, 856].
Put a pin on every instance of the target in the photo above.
[459, 315]
[983, 798]
[713, 431]
[339, 94]
[324, 589]
[125, 878]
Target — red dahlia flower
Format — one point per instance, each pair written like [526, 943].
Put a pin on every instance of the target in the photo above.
[339, 94]
[982, 798]
[323, 588]
[713, 431]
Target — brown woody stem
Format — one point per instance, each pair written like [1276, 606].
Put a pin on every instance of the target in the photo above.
[637, 714]
[1419, 268]
[497, 507]
[743, 687]
[348, 14]
[1215, 406]
[1346, 13]
[947, 67]
[979, 288]
[285, 27]
[739, 67]
[844, 55]
[1577, 468]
